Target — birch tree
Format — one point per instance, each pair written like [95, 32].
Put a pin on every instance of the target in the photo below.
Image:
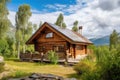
[4, 21]
[22, 19]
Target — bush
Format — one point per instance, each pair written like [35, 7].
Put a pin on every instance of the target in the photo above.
[87, 70]
[3, 46]
[92, 75]
[111, 70]
[112, 73]
[82, 67]
[106, 67]
[53, 57]
[108, 61]
[1, 67]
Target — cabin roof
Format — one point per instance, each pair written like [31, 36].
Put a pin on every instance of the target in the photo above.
[73, 36]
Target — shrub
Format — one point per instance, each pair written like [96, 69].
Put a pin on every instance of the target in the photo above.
[87, 70]
[108, 61]
[82, 67]
[112, 73]
[3, 46]
[107, 65]
[111, 70]
[53, 57]
[91, 75]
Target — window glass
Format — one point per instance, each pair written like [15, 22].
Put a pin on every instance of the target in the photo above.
[58, 48]
[79, 47]
[41, 48]
[49, 35]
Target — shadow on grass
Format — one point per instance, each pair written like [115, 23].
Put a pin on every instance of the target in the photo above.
[36, 63]
[12, 59]
[74, 75]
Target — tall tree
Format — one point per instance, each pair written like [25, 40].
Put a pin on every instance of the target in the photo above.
[31, 27]
[64, 25]
[35, 27]
[114, 40]
[60, 21]
[22, 20]
[40, 24]
[4, 21]
[75, 26]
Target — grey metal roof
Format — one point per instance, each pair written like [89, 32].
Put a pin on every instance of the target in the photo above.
[70, 34]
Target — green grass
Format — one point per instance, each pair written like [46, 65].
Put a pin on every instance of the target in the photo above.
[29, 67]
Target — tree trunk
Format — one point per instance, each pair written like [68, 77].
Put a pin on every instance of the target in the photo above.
[24, 48]
[19, 50]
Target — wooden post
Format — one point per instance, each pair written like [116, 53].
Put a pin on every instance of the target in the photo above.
[74, 51]
[85, 49]
[66, 55]
[42, 56]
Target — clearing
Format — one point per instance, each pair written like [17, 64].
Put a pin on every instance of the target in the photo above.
[30, 67]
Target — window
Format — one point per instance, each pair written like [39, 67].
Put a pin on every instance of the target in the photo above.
[58, 48]
[55, 48]
[41, 48]
[79, 47]
[49, 35]
[61, 48]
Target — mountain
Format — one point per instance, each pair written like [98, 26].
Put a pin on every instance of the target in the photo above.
[101, 41]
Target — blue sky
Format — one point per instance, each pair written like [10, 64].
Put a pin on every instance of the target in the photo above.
[42, 6]
[98, 17]
[38, 4]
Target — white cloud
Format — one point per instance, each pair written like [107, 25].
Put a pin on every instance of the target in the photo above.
[56, 6]
[36, 18]
[11, 16]
[46, 17]
[109, 4]
[35, 11]
[97, 20]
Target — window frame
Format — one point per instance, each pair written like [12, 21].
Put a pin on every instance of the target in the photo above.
[79, 47]
[41, 48]
[59, 48]
[49, 35]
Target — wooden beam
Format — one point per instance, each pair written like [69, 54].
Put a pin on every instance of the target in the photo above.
[74, 50]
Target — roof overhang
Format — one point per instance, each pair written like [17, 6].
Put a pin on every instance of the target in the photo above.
[33, 37]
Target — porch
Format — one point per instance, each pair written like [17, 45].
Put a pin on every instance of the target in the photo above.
[37, 58]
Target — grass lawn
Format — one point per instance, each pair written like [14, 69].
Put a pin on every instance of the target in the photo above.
[29, 67]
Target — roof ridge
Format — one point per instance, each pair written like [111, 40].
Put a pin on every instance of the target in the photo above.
[85, 39]
[71, 35]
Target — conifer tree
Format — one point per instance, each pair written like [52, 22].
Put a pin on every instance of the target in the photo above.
[40, 24]
[35, 27]
[114, 40]
[60, 21]
[64, 25]
[75, 26]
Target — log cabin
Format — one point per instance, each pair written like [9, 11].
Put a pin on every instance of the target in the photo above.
[64, 42]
